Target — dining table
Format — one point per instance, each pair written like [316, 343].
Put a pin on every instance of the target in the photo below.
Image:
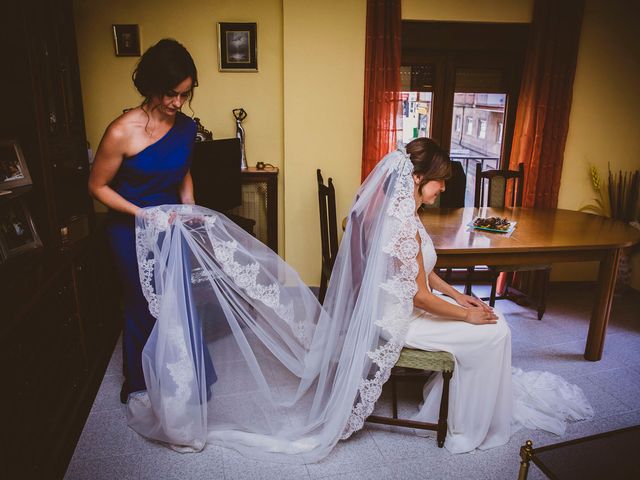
[540, 237]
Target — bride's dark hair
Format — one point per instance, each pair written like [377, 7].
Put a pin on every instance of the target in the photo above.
[429, 160]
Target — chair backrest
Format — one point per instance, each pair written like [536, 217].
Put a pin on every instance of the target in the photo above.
[328, 221]
[491, 187]
[216, 173]
[453, 196]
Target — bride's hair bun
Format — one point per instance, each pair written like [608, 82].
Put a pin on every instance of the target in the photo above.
[429, 160]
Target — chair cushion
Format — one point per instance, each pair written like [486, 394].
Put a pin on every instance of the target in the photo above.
[424, 360]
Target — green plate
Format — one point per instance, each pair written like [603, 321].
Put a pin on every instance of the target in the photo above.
[512, 226]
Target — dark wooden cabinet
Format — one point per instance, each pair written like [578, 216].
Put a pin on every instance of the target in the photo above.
[58, 306]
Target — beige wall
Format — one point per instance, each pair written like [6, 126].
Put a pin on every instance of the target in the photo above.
[603, 125]
[323, 100]
[106, 79]
[518, 11]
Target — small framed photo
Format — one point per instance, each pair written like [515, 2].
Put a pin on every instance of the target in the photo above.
[237, 47]
[13, 167]
[17, 230]
[126, 39]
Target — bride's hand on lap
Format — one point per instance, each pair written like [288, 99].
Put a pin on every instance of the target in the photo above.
[469, 301]
[480, 316]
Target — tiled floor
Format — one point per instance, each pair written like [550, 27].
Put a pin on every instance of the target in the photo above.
[108, 449]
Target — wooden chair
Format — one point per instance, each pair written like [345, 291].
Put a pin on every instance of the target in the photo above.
[491, 191]
[418, 362]
[412, 364]
[328, 231]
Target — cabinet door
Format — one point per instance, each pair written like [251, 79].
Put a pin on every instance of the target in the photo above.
[66, 163]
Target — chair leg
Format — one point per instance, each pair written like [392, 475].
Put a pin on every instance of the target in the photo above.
[323, 288]
[447, 275]
[507, 283]
[394, 396]
[542, 304]
[444, 410]
[494, 286]
[468, 281]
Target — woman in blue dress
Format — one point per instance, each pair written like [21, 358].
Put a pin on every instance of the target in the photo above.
[143, 160]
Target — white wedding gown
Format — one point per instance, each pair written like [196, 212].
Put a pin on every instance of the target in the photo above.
[488, 399]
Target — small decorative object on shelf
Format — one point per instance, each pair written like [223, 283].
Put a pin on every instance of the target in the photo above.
[202, 134]
[240, 115]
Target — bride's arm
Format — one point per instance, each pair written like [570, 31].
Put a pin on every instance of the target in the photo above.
[431, 303]
[441, 286]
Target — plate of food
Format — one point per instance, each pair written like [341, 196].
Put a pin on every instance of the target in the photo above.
[493, 224]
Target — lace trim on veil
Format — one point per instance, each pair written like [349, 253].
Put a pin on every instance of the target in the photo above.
[244, 276]
[402, 250]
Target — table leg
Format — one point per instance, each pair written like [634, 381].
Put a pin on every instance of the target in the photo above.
[602, 307]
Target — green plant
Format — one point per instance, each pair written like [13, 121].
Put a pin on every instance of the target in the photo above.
[618, 198]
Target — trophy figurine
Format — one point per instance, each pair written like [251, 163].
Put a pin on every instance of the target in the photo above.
[240, 115]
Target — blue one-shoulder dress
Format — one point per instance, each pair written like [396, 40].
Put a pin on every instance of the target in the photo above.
[149, 178]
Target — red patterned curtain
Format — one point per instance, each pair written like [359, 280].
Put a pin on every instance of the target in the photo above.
[544, 105]
[542, 119]
[382, 101]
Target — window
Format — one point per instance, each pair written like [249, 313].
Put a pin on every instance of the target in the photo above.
[469, 126]
[473, 72]
[482, 128]
[416, 115]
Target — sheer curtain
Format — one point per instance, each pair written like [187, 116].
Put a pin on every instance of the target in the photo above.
[382, 101]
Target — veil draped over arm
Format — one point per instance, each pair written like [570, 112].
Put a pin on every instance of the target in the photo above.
[242, 354]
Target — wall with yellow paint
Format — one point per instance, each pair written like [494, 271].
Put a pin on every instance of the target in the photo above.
[518, 11]
[603, 126]
[323, 100]
[106, 79]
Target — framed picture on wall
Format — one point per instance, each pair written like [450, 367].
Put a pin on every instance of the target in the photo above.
[126, 39]
[13, 167]
[17, 230]
[237, 47]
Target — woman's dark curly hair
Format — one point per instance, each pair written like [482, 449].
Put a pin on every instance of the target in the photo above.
[162, 67]
[429, 160]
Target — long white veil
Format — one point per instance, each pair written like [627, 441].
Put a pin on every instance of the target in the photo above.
[243, 355]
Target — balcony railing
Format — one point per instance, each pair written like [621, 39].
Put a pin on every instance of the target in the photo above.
[469, 163]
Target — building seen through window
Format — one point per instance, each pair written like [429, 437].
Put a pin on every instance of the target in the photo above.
[416, 115]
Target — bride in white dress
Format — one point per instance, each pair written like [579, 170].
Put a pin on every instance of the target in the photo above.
[295, 377]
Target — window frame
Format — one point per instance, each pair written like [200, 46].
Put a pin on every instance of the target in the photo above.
[447, 47]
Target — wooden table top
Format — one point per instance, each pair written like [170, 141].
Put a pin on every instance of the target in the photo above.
[536, 230]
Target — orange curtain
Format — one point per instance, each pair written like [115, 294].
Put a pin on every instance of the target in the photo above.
[544, 105]
[382, 100]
